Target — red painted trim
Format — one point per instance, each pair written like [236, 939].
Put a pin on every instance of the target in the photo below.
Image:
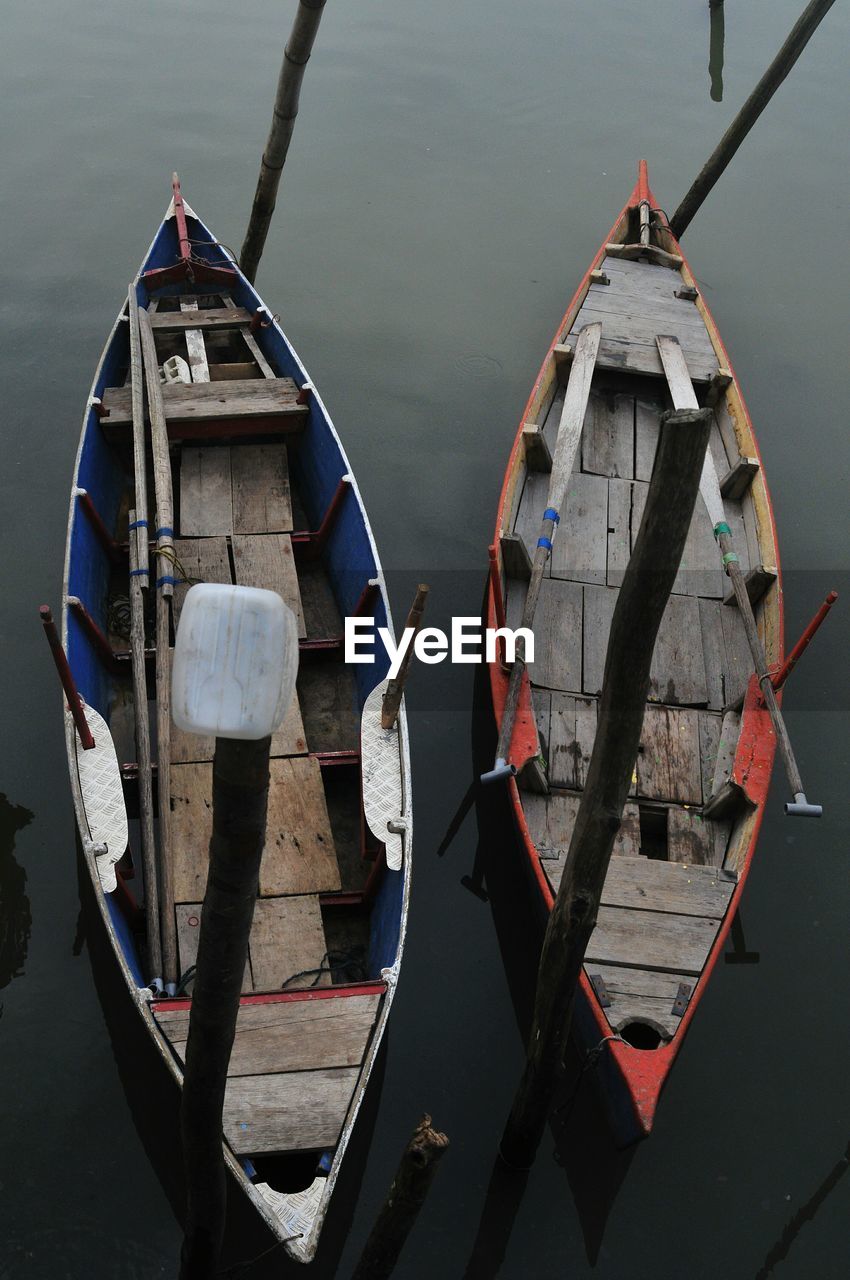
[75, 702]
[331, 759]
[104, 537]
[283, 997]
[643, 1073]
[313, 543]
[803, 643]
[93, 633]
[187, 268]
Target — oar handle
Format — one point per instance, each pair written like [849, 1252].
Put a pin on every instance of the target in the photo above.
[75, 702]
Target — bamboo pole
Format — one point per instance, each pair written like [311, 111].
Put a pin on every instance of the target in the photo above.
[296, 55]
[802, 32]
[395, 687]
[240, 799]
[642, 600]
[164, 586]
[143, 751]
[406, 1196]
[137, 399]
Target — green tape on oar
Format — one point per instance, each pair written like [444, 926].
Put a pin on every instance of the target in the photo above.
[721, 527]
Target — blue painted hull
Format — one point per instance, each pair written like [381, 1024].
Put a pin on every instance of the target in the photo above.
[349, 559]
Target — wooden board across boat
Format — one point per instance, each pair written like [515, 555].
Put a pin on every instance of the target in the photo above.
[695, 806]
[264, 496]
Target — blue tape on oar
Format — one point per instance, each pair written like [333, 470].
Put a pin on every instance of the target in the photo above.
[544, 542]
[551, 514]
[137, 573]
[139, 524]
[165, 532]
[175, 582]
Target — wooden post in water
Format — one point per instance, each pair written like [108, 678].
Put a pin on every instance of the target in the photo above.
[716, 43]
[296, 55]
[406, 1196]
[395, 687]
[643, 598]
[804, 29]
[240, 799]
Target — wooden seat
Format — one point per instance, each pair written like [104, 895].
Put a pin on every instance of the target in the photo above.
[199, 410]
[293, 1068]
[205, 318]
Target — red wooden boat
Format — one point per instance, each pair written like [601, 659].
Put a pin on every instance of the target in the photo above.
[692, 819]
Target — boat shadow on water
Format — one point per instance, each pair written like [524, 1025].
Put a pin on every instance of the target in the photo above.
[583, 1148]
[153, 1098]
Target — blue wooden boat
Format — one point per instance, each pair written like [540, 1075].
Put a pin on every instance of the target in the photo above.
[263, 496]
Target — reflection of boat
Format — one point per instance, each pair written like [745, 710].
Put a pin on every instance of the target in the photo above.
[265, 498]
[690, 824]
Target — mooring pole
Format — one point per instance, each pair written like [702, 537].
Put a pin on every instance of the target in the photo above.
[235, 665]
[395, 687]
[296, 55]
[406, 1196]
[803, 31]
[643, 598]
[716, 42]
[240, 797]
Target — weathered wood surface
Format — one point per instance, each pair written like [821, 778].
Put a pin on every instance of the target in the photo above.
[290, 1035]
[650, 884]
[208, 402]
[529, 512]
[726, 655]
[579, 550]
[322, 617]
[709, 741]
[327, 692]
[550, 820]
[203, 560]
[266, 560]
[651, 940]
[203, 318]
[287, 938]
[632, 980]
[195, 347]
[299, 852]
[690, 837]
[608, 439]
[206, 503]
[515, 557]
[678, 667]
[626, 499]
[557, 636]
[261, 495]
[287, 1111]
[537, 454]
[668, 764]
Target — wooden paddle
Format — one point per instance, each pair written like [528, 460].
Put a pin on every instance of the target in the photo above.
[164, 591]
[569, 435]
[684, 397]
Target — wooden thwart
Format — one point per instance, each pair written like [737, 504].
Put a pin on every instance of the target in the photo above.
[290, 1035]
[287, 1111]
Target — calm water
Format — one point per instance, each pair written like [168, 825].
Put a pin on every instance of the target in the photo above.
[454, 169]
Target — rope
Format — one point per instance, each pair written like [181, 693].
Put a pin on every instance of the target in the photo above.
[118, 616]
[188, 976]
[590, 1060]
[350, 963]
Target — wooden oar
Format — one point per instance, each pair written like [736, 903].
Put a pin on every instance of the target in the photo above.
[684, 397]
[164, 591]
[138, 576]
[569, 435]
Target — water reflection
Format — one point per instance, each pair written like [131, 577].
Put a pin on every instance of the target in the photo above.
[15, 915]
[715, 48]
[804, 1214]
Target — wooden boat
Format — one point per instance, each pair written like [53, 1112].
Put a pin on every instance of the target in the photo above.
[690, 825]
[265, 497]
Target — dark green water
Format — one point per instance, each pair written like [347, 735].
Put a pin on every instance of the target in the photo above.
[454, 169]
